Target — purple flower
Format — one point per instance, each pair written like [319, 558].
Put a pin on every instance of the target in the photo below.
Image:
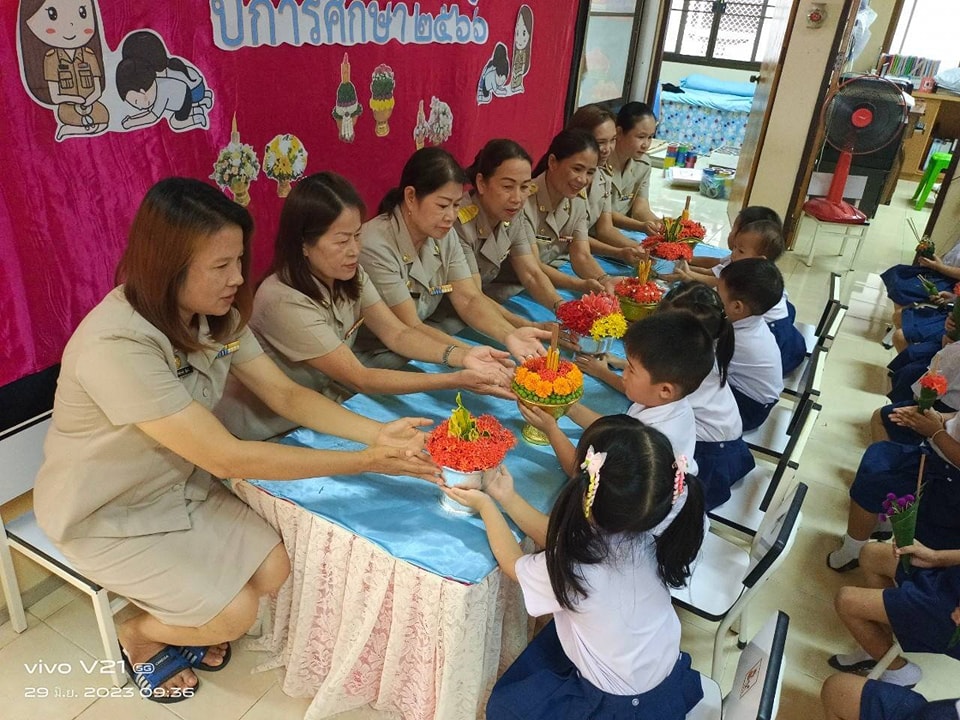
[909, 498]
[902, 502]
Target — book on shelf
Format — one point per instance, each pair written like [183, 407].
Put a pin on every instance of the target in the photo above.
[906, 66]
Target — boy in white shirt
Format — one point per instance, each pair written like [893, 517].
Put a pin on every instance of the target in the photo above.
[668, 356]
[749, 288]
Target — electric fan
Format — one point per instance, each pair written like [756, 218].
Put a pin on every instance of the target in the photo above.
[862, 116]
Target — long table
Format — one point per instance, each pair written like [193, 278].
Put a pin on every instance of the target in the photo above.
[393, 601]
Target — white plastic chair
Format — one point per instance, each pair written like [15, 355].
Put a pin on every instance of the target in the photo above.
[756, 688]
[813, 334]
[21, 454]
[725, 576]
[793, 383]
[852, 191]
[773, 436]
[766, 485]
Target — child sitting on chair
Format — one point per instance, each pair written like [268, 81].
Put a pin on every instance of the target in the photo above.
[721, 455]
[758, 238]
[748, 289]
[668, 356]
[707, 269]
[625, 527]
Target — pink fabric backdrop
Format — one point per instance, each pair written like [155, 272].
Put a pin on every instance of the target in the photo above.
[65, 206]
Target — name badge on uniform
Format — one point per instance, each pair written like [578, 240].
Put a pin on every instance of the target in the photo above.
[228, 349]
[182, 370]
[353, 328]
[543, 239]
[441, 289]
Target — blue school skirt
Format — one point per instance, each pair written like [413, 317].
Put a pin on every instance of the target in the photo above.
[720, 465]
[889, 467]
[544, 685]
[919, 609]
[904, 435]
[922, 324]
[886, 701]
[793, 348]
[752, 412]
[907, 367]
[904, 288]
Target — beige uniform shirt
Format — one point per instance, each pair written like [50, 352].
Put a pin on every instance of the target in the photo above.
[633, 182]
[487, 245]
[401, 273]
[102, 476]
[599, 198]
[555, 228]
[293, 328]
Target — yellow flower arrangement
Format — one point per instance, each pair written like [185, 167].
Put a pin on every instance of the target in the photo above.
[610, 326]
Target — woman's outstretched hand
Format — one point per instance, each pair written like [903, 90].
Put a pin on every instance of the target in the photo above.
[404, 433]
[398, 461]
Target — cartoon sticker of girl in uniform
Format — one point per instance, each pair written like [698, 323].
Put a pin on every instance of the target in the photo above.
[149, 47]
[493, 79]
[522, 39]
[61, 62]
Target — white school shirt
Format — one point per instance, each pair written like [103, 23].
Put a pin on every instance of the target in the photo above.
[778, 311]
[675, 420]
[947, 362]
[756, 368]
[624, 637]
[715, 408]
[718, 268]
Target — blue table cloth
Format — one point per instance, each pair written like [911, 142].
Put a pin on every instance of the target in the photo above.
[403, 515]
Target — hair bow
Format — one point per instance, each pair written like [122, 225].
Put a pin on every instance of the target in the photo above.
[592, 463]
[680, 477]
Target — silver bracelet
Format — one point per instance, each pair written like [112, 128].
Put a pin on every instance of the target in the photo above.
[446, 355]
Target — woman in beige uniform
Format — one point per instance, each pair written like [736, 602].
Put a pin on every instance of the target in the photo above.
[605, 239]
[307, 312]
[415, 259]
[491, 229]
[128, 490]
[629, 169]
[557, 213]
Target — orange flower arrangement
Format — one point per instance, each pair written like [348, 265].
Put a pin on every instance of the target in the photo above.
[534, 382]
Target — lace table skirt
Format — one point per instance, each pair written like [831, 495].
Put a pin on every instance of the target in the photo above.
[355, 626]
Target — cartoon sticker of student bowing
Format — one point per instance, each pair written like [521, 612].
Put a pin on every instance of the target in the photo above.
[61, 62]
[157, 97]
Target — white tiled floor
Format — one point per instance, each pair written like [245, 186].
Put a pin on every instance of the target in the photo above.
[62, 625]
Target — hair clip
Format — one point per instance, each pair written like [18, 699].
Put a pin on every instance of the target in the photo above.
[592, 464]
[679, 479]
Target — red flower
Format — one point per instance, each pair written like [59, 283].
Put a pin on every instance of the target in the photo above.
[632, 289]
[485, 452]
[934, 381]
[673, 251]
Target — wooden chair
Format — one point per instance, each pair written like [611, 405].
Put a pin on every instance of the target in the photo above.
[21, 454]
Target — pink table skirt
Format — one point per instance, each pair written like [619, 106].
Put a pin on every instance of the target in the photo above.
[355, 626]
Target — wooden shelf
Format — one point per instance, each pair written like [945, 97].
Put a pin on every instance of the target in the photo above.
[940, 114]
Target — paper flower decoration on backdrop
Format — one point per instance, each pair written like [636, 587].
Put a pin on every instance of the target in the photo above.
[284, 160]
[236, 167]
[348, 107]
[382, 84]
[440, 124]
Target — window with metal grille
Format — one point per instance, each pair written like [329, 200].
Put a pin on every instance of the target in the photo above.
[724, 33]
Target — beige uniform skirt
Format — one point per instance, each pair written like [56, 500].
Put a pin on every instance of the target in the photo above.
[183, 578]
